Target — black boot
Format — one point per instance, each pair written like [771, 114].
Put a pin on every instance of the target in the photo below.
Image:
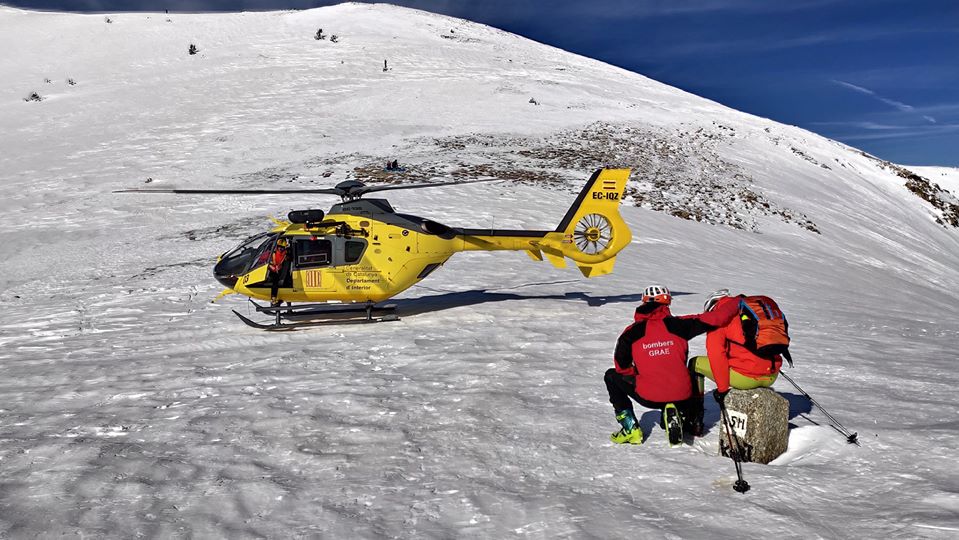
[693, 415]
[674, 424]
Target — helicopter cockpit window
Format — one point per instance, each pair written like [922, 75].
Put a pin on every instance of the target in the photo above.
[353, 251]
[244, 257]
[312, 253]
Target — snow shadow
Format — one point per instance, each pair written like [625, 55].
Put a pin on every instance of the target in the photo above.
[798, 404]
[440, 302]
[650, 421]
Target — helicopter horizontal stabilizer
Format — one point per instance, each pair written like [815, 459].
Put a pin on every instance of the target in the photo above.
[556, 259]
[535, 254]
[601, 269]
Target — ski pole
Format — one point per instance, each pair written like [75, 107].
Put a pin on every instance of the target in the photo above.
[741, 485]
[850, 438]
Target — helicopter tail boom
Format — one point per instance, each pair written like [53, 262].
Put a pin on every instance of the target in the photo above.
[591, 233]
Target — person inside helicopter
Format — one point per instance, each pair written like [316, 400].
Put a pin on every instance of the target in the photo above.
[279, 268]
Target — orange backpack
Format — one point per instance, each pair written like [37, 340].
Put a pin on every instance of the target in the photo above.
[764, 327]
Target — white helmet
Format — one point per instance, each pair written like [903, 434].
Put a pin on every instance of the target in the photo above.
[658, 294]
[713, 299]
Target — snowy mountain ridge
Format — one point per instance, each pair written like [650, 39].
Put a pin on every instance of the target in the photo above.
[629, 109]
[133, 406]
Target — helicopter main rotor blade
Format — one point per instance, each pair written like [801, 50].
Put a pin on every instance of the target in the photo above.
[370, 189]
[324, 191]
[354, 190]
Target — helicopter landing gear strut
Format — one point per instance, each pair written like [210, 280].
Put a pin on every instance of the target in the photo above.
[291, 317]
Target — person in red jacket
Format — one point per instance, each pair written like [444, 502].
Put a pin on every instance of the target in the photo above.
[650, 365]
[276, 268]
[728, 362]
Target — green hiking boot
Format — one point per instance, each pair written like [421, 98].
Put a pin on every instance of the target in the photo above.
[674, 425]
[631, 433]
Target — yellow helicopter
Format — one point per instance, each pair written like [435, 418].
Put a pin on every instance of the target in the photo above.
[340, 264]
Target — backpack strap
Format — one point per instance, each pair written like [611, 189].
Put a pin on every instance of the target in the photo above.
[749, 322]
[788, 357]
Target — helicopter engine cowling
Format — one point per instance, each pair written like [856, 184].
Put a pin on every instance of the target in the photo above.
[306, 216]
[437, 229]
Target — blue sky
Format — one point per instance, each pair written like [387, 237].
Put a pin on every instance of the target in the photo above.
[880, 75]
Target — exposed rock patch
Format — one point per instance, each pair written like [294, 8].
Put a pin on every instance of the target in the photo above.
[946, 204]
[678, 172]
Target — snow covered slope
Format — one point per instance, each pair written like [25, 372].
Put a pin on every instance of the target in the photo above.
[947, 177]
[131, 405]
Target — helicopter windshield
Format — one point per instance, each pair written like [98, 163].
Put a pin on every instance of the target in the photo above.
[243, 258]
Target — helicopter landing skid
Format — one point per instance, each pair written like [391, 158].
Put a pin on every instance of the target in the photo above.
[307, 315]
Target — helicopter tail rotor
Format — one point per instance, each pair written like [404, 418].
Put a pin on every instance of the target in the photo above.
[592, 232]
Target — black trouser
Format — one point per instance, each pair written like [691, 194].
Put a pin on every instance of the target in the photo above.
[279, 279]
[623, 387]
[275, 287]
[698, 384]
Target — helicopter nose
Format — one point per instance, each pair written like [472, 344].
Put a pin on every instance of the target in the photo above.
[228, 281]
[223, 275]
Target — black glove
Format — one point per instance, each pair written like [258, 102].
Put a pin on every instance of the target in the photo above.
[720, 397]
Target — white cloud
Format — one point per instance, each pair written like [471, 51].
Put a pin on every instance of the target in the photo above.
[854, 87]
[897, 104]
[892, 132]
[892, 135]
[891, 102]
[870, 126]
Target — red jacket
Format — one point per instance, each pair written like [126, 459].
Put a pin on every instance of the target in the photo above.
[277, 259]
[654, 348]
[725, 350]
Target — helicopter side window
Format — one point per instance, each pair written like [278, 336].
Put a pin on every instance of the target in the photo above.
[313, 253]
[353, 251]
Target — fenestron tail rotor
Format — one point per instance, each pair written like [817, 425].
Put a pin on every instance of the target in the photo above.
[593, 234]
